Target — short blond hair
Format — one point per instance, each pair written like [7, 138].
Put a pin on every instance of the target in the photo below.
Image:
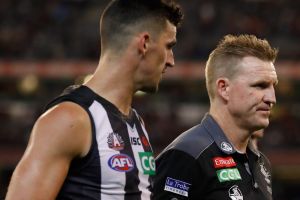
[223, 60]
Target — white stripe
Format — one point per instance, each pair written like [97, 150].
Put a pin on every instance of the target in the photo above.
[112, 182]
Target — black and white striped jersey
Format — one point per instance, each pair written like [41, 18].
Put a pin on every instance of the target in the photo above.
[120, 162]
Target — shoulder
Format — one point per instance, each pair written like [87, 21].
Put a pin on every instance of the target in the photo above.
[79, 94]
[64, 113]
[192, 142]
[64, 126]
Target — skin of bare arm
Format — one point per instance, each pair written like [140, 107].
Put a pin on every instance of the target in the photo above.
[59, 135]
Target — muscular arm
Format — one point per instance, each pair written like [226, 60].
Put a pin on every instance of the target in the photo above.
[58, 136]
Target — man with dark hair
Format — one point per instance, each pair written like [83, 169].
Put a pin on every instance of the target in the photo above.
[216, 159]
[90, 143]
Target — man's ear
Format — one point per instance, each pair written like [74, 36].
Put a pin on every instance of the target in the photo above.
[222, 85]
[143, 44]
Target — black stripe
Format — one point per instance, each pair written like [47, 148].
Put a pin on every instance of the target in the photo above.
[146, 144]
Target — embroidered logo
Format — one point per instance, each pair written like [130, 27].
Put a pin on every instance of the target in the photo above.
[177, 187]
[231, 174]
[220, 162]
[147, 162]
[235, 193]
[266, 174]
[115, 141]
[225, 146]
[121, 163]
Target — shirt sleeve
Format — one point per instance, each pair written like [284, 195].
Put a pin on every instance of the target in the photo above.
[176, 175]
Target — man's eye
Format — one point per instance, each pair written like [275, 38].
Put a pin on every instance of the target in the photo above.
[261, 85]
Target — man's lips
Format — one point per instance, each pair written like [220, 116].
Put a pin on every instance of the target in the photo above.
[264, 109]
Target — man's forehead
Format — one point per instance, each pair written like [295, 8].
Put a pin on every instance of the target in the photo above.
[254, 64]
[255, 67]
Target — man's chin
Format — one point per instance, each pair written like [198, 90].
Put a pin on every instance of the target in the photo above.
[149, 89]
[263, 124]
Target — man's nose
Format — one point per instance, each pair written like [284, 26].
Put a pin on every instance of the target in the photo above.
[270, 97]
[170, 59]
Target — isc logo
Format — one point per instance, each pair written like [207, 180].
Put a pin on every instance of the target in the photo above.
[121, 163]
[135, 141]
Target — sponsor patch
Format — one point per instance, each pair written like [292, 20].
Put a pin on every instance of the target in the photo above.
[135, 141]
[225, 146]
[235, 193]
[121, 163]
[230, 174]
[221, 162]
[147, 162]
[115, 141]
[177, 187]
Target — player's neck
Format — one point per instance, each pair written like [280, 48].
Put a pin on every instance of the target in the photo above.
[237, 136]
[113, 84]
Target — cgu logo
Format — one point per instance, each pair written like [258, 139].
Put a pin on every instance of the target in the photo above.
[121, 163]
[228, 174]
[147, 162]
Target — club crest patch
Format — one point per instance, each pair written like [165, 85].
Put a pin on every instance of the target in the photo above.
[235, 193]
[225, 146]
[177, 187]
[115, 141]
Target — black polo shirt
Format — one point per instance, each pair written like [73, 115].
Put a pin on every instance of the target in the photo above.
[202, 164]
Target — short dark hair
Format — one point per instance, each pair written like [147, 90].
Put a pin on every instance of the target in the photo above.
[122, 18]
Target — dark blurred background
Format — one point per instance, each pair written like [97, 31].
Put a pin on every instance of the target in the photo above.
[47, 45]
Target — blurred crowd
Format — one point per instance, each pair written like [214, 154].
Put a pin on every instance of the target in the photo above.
[68, 29]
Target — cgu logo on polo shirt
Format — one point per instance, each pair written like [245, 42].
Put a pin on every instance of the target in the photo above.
[121, 163]
[221, 162]
[230, 174]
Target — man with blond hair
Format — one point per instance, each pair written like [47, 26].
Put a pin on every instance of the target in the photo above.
[215, 159]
